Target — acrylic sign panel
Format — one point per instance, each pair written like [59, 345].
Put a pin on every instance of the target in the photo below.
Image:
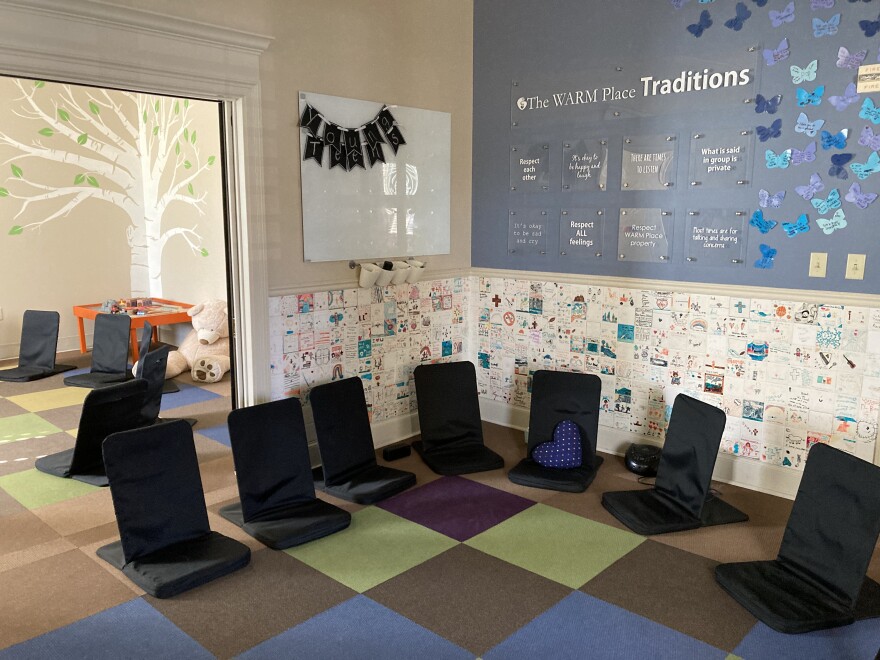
[392, 209]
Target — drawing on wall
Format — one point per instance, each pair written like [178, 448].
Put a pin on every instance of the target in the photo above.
[137, 152]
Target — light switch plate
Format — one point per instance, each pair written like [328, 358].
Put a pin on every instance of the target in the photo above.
[818, 264]
[855, 266]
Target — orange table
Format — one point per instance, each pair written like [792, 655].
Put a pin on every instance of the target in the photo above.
[164, 312]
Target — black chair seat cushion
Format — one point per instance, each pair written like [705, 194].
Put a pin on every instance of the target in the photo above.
[182, 566]
[650, 512]
[290, 525]
[459, 459]
[97, 379]
[791, 603]
[371, 484]
[59, 465]
[22, 374]
[569, 480]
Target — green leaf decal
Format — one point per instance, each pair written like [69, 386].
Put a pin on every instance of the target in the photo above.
[155, 130]
[186, 134]
[204, 252]
[211, 160]
[16, 230]
[63, 115]
[78, 179]
[145, 117]
[4, 192]
[48, 132]
[83, 138]
[177, 107]
[94, 108]
[93, 182]
[193, 137]
[38, 84]
[16, 171]
[187, 164]
[156, 106]
[177, 148]
[192, 191]
[185, 103]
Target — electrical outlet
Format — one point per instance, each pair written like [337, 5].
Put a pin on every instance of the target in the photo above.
[855, 266]
[818, 264]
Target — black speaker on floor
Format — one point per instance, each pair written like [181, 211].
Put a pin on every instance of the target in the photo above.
[643, 459]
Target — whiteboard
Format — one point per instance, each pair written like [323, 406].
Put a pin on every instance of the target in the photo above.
[399, 208]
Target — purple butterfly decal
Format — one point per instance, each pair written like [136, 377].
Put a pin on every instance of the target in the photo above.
[778, 18]
[847, 60]
[870, 28]
[767, 255]
[772, 131]
[767, 105]
[678, 4]
[771, 57]
[742, 13]
[765, 199]
[849, 97]
[809, 191]
[834, 141]
[857, 197]
[808, 155]
[837, 163]
[705, 22]
[821, 4]
[870, 139]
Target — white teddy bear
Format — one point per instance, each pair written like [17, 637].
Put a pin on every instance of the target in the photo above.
[205, 350]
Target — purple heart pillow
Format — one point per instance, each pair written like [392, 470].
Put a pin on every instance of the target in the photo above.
[564, 450]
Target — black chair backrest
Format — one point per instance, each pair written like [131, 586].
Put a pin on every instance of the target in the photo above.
[835, 521]
[110, 345]
[271, 456]
[151, 368]
[156, 487]
[342, 425]
[561, 395]
[689, 452]
[448, 404]
[106, 410]
[39, 339]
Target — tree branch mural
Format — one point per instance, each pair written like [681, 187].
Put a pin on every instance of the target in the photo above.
[135, 151]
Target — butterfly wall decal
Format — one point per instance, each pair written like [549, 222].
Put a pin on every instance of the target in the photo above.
[774, 130]
[742, 13]
[678, 4]
[847, 60]
[767, 255]
[765, 199]
[864, 170]
[760, 3]
[816, 185]
[807, 74]
[870, 28]
[782, 52]
[762, 224]
[807, 127]
[767, 105]
[701, 25]
[808, 155]
[837, 141]
[829, 203]
[781, 160]
[836, 221]
[870, 111]
[837, 163]
[799, 226]
[821, 4]
[870, 139]
[826, 28]
[849, 97]
[805, 98]
[857, 197]
[778, 18]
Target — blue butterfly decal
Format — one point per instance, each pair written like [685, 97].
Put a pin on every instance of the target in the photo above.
[760, 223]
[834, 141]
[837, 163]
[847, 60]
[827, 204]
[849, 97]
[765, 199]
[771, 57]
[760, 3]
[705, 22]
[870, 139]
[782, 160]
[836, 221]
[799, 226]
[678, 4]
[805, 98]
[767, 105]
[826, 28]
[821, 4]
[870, 111]
[742, 13]
[870, 28]
[870, 167]
[857, 197]
[809, 191]
[808, 155]
[807, 74]
[767, 255]
[778, 18]
[772, 131]
[807, 127]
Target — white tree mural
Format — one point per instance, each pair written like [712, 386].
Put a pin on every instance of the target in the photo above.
[135, 151]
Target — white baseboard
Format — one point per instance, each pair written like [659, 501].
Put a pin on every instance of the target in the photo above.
[743, 472]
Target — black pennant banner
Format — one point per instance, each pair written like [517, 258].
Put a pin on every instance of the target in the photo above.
[347, 146]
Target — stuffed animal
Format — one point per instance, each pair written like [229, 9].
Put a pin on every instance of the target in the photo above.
[205, 350]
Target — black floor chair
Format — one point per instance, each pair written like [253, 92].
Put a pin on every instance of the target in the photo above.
[109, 353]
[105, 410]
[681, 498]
[449, 417]
[558, 396]
[277, 503]
[818, 580]
[342, 425]
[166, 544]
[37, 348]
[151, 368]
